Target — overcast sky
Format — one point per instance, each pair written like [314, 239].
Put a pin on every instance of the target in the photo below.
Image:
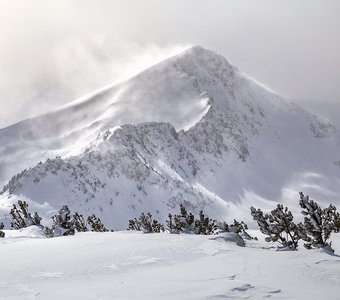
[54, 51]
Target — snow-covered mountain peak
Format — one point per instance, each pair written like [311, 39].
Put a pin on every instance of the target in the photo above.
[192, 129]
[199, 56]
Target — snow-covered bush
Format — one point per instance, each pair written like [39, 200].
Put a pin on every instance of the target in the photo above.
[66, 224]
[21, 218]
[239, 228]
[146, 224]
[204, 225]
[63, 223]
[184, 222]
[79, 222]
[319, 222]
[187, 223]
[278, 225]
[96, 224]
[2, 234]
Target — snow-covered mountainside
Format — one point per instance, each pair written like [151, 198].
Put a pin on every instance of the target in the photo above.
[192, 129]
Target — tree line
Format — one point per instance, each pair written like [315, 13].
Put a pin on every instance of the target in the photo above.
[278, 225]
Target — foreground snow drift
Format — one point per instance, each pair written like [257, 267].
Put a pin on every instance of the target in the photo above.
[132, 265]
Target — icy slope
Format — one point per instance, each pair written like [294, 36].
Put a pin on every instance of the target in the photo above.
[201, 132]
[130, 265]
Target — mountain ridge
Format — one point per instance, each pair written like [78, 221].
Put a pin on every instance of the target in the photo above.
[192, 129]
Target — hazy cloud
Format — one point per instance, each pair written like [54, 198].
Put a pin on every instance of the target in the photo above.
[54, 51]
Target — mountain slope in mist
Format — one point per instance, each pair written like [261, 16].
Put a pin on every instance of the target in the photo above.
[192, 129]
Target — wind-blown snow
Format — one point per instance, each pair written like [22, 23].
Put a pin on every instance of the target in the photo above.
[192, 129]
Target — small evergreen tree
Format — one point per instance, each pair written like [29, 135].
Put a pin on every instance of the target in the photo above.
[79, 222]
[318, 223]
[96, 224]
[134, 225]
[2, 234]
[223, 226]
[63, 223]
[278, 226]
[205, 226]
[21, 218]
[240, 228]
[184, 222]
[146, 224]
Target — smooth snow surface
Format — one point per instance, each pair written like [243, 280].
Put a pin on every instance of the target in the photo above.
[132, 265]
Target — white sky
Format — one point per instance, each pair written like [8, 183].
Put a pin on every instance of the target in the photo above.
[54, 51]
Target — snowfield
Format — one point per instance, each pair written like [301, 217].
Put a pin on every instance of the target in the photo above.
[133, 265]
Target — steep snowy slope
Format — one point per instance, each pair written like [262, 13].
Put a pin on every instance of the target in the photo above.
[191, 129]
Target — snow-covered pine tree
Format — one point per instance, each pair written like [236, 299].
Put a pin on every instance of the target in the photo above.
[318, 223]
[187, 223]
[63, 223]
[146, 224]
[21, 218]
[96, 224]
[134, 224]
[79, 222]
[2, 234]
[223, 226]
[278, 226]
[184, 222]
[240, 228]
[205, 226]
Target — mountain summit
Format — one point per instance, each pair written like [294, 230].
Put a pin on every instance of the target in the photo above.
[192, 129]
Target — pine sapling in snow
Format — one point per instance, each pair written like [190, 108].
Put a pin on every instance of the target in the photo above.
[318, 223]
[96, 224]
[204, 225]
[278, 226]
[146, 224]
[63, 223]
[239, 228]
[187, 223]
[21, 218]
[184, 222]
[79, 222]
[134, 225]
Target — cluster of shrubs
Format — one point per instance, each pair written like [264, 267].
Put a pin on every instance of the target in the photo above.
[278, 225]
[315, 230]
[64, 223]
[186, 222]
